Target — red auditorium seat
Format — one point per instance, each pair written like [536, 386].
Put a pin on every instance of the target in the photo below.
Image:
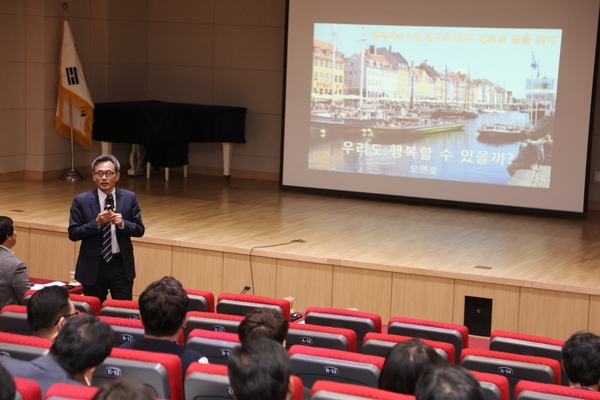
[494, 386]
[127, 330]
[323, 390]
[210, 381]
[212, 322]
[526, 390]
[379, 344]
[242, 304]
[216, 346]
[311, 364]
[28, 389]
[159, 371]
[530, 345]
[321, 336]
[201, 300]
[22, 347]
[359, 321]
[120, 308]
[514, 367]
[86, 304]
[456, 334]
[13, 319]
[66, 391]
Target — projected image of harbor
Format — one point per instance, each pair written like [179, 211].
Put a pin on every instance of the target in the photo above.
[447, 103]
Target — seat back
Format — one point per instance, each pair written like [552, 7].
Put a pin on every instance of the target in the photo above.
[530, 345]
[216, 346]
[86, 304]
[455, 334]
[22, 347]
[13, 319]
[120, 308]
[160, 372]
[311, 364]
[321, 336]
[328, 390]
[124, 329]
[514, 367]
[27, 389]
[360, 322]
[495, 387]
[201, 300]
[212, 322]
[242, 304]
[379, 344]
[526, 390]
[67, 391]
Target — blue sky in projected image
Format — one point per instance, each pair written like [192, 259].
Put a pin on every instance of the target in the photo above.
[506, 64]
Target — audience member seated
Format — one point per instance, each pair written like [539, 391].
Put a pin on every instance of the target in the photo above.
[404, 364]
[7, 385]
[124, 389]
[81, 345]
[263, 322]
[448, 382]
[260, 369]
[48, 310]
[14, 280]
[581, 360]
[163, 307]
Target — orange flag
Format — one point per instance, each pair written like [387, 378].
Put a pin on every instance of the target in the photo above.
[75, 108]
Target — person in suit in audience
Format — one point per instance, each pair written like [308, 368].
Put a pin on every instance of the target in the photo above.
[48, 310]
[404, 364]
[124, 389]
[264, 322]
[260, 369]
[82, 344]
[163, 311]
[14, 280]
[102, 267]
[8, 389]
[581, 360]
[448, 382]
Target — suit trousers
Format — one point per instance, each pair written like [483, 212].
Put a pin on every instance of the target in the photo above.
[111, 277]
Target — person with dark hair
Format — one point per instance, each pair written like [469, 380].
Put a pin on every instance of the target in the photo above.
[124, 389]
[264, 322]
[48, 310]
[82, 344]
[404, 364]
[14, 280]
[163, 311]
[260, 369]
[8, 388]
[105, 219]
[581, 360]
[448, 382]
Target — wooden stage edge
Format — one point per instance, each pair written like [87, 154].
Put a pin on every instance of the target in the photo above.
[394, 259]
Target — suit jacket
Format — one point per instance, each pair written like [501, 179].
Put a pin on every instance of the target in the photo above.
[82, 226]
[44, 370]
[14, 281]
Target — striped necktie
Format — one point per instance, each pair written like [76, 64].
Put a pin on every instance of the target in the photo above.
[107, 254]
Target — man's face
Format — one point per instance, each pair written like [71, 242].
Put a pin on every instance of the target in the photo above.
[105, 176]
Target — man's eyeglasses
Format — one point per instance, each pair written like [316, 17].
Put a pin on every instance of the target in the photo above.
[108, 174]
[68, 316]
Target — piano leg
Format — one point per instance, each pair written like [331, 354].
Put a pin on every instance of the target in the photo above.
[136, 159]
[227, 151]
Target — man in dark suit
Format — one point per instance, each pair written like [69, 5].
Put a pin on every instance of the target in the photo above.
[14, 280]
[105, 219]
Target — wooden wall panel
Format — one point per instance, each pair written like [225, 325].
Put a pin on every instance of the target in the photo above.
[22, 248]
[424, 297]
[505, 303]
[553, 314]
[367, 290]
[593, 320]
[310, 284]
[152, 262]
[198, 269]
[238, 273]
[52, 254]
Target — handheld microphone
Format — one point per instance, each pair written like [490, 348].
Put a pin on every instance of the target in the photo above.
[109, 203]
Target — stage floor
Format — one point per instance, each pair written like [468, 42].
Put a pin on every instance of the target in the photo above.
[208, 212]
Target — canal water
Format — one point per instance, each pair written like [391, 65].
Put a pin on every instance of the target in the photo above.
[455, 156]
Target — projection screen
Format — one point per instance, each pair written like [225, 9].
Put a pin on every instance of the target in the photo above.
[475, 103]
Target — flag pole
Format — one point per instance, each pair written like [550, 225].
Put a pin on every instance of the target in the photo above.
[72, 175]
